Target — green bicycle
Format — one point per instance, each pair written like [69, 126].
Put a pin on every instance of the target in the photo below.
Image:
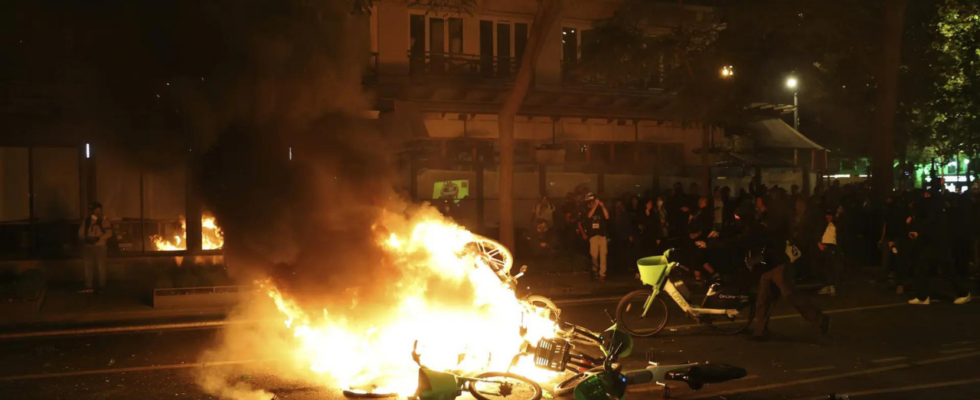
[644, 312]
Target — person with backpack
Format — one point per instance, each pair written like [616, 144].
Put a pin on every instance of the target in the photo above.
[94, 232]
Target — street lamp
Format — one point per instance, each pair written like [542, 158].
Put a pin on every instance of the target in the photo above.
[727, 71]
[792, 83]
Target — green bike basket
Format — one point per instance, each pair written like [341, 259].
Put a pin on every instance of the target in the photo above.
[653, 270]
[435, 385]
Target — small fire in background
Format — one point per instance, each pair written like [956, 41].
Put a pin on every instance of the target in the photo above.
[211, 236]
[475, 329]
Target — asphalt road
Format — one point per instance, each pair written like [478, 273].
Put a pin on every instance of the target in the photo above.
[880, 348]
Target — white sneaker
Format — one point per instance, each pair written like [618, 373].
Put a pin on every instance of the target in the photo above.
[829, 290]
[964, 299]
[920, 302]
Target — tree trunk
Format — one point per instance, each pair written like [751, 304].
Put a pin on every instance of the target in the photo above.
[884, 150]
[543, 21]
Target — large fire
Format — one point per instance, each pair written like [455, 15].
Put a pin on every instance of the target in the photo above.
[481, 332]
[211, 236]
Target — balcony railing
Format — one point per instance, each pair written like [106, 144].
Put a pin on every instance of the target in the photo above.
[462, 65]
[573, 74]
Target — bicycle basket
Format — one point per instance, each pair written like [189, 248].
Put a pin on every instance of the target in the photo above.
[653, 270]
[552, 354]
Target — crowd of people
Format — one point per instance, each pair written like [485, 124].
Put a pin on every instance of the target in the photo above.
[916, 234]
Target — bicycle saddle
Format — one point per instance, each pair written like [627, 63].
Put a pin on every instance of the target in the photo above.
[699, 375]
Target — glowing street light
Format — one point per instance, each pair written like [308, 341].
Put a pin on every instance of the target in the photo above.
[792, 83]
[727, 71]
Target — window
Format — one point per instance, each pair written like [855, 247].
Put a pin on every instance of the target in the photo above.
[455, 35]
[569, 44]
[520, 41]
[417, 43]
[503, 50]
[486, 48]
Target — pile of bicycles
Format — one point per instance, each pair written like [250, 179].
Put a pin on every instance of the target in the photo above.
[592, 357]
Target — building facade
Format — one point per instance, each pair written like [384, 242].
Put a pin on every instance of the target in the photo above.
[439, 80]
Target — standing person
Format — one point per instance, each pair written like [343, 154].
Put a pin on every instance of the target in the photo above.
[650, 230]
[961, 229]
[830, 255]
[622, 235]
[718, 212]
[678, 209]
[767, 235]
[663, 214]
[932, 230]
[701, 218]
[94, 232]
[544, 211]
[595, 232]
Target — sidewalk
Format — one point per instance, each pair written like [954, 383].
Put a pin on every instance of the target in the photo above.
[122, 303]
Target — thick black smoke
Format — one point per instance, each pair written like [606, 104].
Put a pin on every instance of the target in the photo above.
[234, 87]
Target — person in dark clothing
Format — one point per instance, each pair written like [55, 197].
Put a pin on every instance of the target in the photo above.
[541, 240]
[678, 209]
[768, 235]
[961, 231]
[804, 226]
[622, 235]
[701, 218]
[930, 227]
[693, 257]
[650, 230]
[894, 237]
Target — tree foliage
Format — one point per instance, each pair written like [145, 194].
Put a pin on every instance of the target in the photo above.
[946, 117]
[829, 46]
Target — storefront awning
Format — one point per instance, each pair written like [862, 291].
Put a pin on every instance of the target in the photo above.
[774, 133]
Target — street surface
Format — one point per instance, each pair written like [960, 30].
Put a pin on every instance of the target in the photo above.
[881, 348]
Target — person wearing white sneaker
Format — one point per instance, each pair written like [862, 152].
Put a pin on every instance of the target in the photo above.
[930, 228]
[830, 254]
[921, 302]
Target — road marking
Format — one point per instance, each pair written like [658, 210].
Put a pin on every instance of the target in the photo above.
[818, 369]
[119, 370]
[902, 388]
[955, 351]
[129, 329]
[794, 315]
[961, 343]
[654, 387]
[838, 376]
[889, 359]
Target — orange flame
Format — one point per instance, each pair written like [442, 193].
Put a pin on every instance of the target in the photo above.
[212, 238]
[478, 333]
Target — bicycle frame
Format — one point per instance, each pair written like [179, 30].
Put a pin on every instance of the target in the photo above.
[654, 271]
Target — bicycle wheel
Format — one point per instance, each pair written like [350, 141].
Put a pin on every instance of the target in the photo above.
[567, 386]
[545, 303]
[730, 326]
[504, 386]
[629, 314]
[491, 253]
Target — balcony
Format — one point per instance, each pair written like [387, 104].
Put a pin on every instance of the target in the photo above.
[458, 65]
[573, 74]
